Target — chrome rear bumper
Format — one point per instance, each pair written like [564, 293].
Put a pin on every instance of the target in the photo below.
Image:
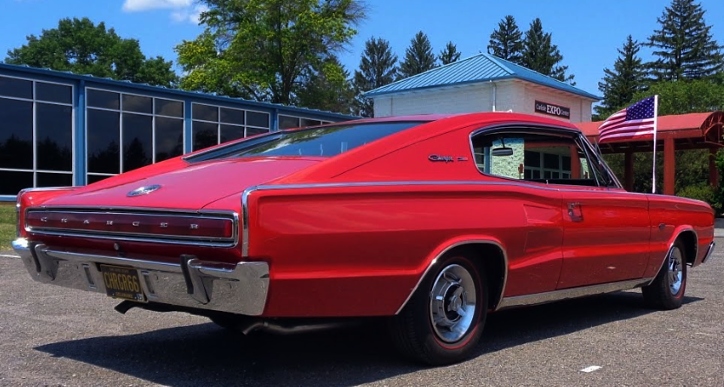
[241, 288]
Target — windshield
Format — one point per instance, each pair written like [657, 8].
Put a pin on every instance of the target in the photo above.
[326, 141]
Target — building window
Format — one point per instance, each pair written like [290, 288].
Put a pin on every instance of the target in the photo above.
[289, 122]
[36, 134]
[213, 125]
[542, 165]
[128, 131]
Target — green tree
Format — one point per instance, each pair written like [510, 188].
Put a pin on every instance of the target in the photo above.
[80, 46]
[681, 97]
[506, 40]
[677, 97]
[328, 88]
[683, 46]
[541, 55]
[449, 54]
[620, 84]
[418, 57]
[266, 49]
[377, 67]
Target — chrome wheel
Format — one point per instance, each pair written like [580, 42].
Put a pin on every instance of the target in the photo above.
[675, 272]
[452, 303]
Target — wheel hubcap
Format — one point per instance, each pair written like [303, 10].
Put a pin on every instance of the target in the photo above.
[452, 303]
[675, 273]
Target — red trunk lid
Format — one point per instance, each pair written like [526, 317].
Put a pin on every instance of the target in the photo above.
[191, 186]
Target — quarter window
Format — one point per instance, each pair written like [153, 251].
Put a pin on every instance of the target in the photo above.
[552, 158]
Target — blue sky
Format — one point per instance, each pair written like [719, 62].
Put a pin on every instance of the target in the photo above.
[587, 32]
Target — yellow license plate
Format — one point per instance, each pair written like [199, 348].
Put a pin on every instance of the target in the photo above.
[122, 282]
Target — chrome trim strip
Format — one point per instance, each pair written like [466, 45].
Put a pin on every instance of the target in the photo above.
[696, 248]
[245, 221]
[709, 252]
[240, 287]
[444, 251]
[563, 294]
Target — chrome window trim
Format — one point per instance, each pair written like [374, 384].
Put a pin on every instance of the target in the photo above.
[525, 127]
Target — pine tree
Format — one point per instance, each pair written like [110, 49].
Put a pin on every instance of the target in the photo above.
[377, 67]
[450, 54]
[540, 55]
[505, 41]
[684, 46]
[418, 57]
[620, 84]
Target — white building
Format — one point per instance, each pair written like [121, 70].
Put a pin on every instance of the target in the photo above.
[482, 83]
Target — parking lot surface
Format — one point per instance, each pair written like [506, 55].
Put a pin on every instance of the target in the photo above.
[55, 336]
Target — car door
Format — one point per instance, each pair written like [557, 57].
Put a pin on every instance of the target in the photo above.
[606, 230]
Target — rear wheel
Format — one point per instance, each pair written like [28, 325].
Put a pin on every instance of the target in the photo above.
[443, 321]
[667, 289]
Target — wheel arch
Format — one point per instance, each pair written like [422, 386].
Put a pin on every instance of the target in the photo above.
[489, 257]
[690, 239]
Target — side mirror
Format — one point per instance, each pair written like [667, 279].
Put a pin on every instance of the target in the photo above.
[502, 151]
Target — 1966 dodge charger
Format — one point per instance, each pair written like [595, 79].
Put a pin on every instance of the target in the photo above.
[431, 222]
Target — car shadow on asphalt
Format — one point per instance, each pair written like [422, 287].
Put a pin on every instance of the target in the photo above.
[205, 354]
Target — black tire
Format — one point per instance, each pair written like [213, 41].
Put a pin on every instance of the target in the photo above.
[667, 290]
[415, 332]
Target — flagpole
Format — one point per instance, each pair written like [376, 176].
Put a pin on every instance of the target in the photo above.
[656, 122]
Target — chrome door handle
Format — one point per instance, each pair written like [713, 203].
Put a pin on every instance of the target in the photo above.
[575, 212]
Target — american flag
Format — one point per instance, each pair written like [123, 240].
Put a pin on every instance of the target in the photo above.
[633, 122]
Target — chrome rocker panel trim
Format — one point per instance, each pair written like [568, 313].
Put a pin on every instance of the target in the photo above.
[240, 288]
[564, 294]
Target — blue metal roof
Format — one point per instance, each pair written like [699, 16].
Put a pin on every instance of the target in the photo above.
[479, 68]
[6, 68]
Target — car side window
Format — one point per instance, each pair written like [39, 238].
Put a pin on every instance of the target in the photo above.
[535, 155]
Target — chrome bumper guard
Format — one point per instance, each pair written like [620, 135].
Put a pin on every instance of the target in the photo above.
[241, 288]
[709, 252]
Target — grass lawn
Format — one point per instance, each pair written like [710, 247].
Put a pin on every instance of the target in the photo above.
[7, 225]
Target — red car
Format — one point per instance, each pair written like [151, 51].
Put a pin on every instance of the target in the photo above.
[431, 222]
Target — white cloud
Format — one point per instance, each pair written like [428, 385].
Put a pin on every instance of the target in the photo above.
[181, 10]
[190, 14]
[145, 5]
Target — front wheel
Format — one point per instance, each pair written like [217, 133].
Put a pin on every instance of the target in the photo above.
[443, 321]
[667, 290]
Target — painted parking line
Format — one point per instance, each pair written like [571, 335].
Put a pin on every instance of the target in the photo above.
[9, 256]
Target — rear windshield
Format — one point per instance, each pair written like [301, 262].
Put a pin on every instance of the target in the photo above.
[324, 141]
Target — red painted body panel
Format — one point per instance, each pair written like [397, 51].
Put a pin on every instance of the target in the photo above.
[352, 235]
[609, 241]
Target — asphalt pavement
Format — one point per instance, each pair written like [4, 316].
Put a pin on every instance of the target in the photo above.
[63, 337]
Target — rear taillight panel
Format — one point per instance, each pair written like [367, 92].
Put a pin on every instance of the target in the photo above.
[175, 227]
